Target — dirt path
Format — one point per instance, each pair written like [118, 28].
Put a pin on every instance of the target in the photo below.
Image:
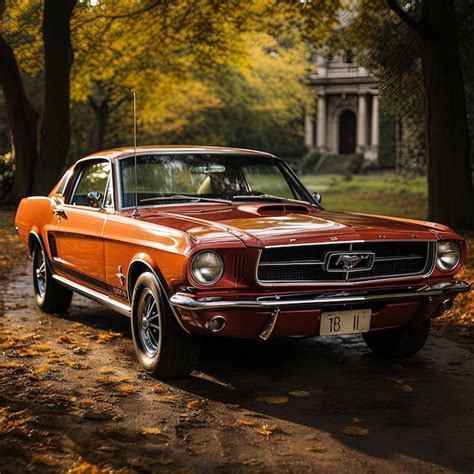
[72, 397]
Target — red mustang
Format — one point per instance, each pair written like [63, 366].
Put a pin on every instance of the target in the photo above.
[192, 241]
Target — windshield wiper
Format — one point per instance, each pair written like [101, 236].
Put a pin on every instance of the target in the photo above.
[267, 197]
[183, 197]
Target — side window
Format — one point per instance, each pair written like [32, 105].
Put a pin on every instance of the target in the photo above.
[93, 177]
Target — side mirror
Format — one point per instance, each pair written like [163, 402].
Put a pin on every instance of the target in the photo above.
[318, 198]
[95, 199]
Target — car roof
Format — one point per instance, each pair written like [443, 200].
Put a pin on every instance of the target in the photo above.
[117, 153]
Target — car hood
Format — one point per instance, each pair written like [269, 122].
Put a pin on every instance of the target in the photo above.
[269, 224]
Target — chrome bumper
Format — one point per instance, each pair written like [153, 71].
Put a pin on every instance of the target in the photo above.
[388, 295]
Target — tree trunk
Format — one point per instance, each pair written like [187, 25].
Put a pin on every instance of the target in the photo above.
[99, 125]
[451, 194]
[55, 127]
[22, 119]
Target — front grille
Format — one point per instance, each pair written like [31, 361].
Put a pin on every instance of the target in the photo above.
[308, 263]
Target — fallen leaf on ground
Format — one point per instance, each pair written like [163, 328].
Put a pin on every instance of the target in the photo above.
[126, 389]
[80, 350]
[263, 431]
[10, 365]
[246, 422]
[266, 430]
[64, 339]
[151, 431]
[273, 400]
[355, 430]
[300, 393]
[165, 460]
[357, 420]
[42, 348]
[106, 370]
[44, 459]
[407, 388]
[76, 365]
[86, 402]
[28, 353]
[167, 398]
[108, 336]
[193, 404]
[158, 387]
[40, 370]
[86, 468]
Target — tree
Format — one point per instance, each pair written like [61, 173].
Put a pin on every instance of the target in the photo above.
[39, 156]
[450, 187]
[120, 46]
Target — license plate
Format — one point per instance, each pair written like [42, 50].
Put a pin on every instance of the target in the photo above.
[345, 322]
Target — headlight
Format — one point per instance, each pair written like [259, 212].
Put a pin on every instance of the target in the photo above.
[448, 255]
[207, 267]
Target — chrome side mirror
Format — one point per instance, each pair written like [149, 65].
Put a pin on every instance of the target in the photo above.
[95, 199]
[318, 198]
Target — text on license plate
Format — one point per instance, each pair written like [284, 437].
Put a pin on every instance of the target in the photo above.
[345, 322]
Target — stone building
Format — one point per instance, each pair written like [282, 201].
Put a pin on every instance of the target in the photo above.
[345, 116]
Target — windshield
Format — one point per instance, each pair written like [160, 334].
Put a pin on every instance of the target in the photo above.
[199, 177]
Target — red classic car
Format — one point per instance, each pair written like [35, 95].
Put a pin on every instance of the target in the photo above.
[193, 241]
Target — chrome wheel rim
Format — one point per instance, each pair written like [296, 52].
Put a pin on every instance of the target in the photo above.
[149, 322]
[40, 274]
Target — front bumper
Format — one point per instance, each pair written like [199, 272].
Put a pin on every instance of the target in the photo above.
[303, 300]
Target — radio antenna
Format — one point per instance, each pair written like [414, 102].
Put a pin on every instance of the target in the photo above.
[135, 211]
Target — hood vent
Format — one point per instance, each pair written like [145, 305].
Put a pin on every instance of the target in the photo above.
[282, 208]
[274, 209]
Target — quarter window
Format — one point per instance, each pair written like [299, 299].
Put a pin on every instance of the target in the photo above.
[93, 177]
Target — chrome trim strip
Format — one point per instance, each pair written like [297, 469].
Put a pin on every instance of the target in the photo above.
[393, 259]
[284, 263]
[291, 262]
[408, 293]
[95, 295]
[353, 281]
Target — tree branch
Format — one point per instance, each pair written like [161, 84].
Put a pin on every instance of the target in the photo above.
[116, 16]
[404, 16]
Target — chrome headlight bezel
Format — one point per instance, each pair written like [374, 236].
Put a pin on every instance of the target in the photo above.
[445, 250]
[196, 267]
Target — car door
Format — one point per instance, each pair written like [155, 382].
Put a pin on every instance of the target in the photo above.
[78, 233]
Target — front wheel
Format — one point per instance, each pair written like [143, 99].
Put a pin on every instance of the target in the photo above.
[50, 296]
[398, 342]
[163, 348]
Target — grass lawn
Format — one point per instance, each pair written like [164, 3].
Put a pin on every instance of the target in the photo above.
[381, 193]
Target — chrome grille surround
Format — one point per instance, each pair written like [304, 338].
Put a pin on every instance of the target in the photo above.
[304, 264]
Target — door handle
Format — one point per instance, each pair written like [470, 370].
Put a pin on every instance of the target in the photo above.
[58, 211]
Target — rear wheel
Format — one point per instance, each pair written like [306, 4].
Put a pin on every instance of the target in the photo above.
[50, 296]
[398, 342]
[163, 348]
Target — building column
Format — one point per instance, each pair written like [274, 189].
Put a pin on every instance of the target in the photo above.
[361, 123]
[308, 129]
[375, 121]
[321, 132]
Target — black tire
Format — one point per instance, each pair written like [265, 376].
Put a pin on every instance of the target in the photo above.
[163, 348]
[50, 296]
[398, 342]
